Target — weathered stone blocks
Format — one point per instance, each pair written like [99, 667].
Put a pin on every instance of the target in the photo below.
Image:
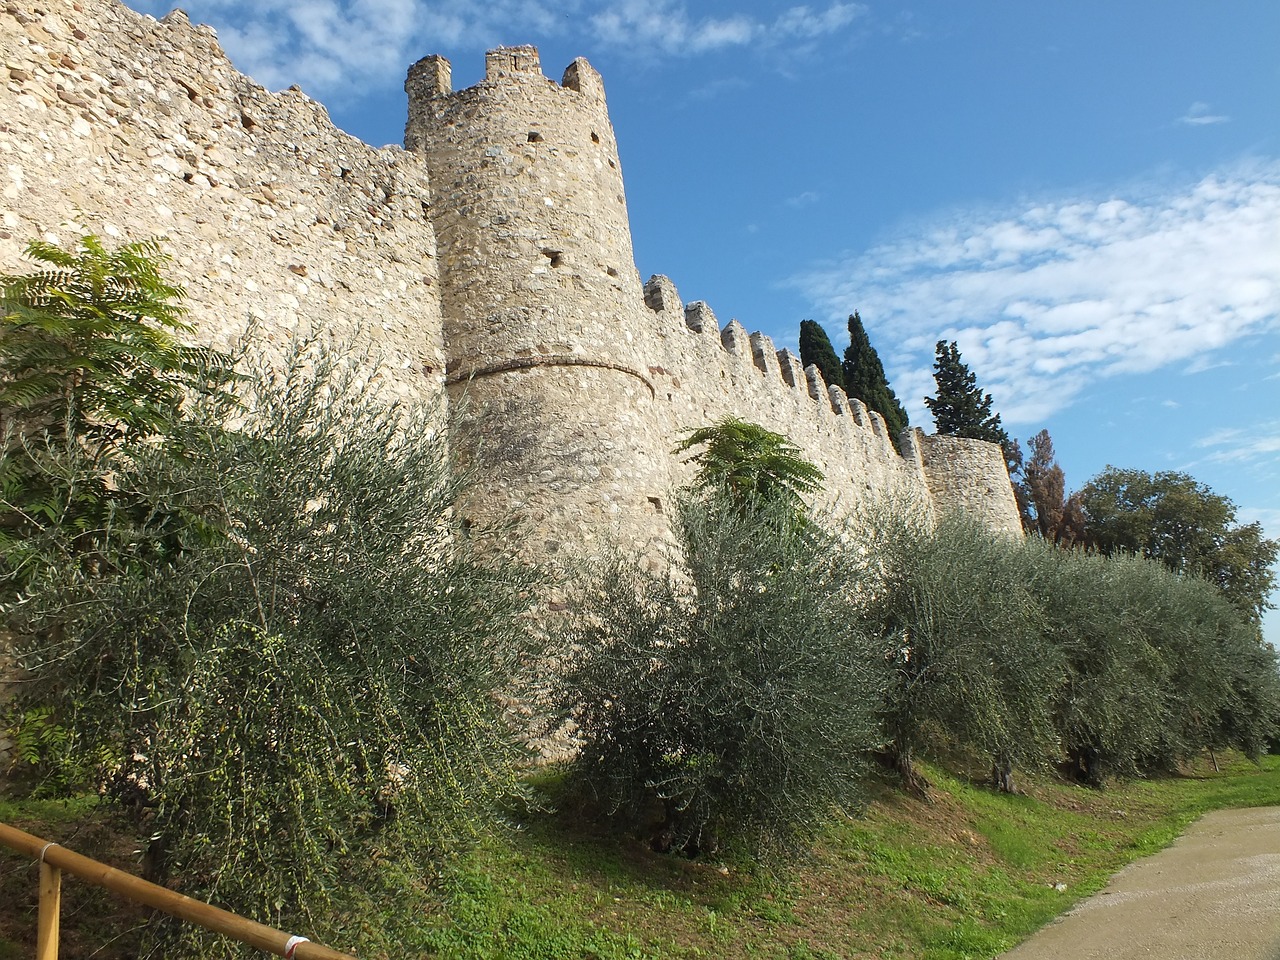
[492, 258]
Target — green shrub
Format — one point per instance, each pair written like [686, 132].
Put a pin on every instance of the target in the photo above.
[734, 698]
[972, 657]
[302, 702]
[1111, 710]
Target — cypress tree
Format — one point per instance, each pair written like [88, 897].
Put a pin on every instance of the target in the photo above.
[865, 380]
[816, 349]
[961, 409]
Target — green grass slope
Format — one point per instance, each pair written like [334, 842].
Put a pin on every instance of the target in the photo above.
[966, 876]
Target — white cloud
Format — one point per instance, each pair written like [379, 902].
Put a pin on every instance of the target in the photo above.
[665, 26]
[1046, 299]
[804, 199]
[809, 24]
[1199, 115]
[648, 26]
[1237, 445]
[336, 48]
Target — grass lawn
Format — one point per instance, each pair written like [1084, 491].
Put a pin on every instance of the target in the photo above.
[966, 876]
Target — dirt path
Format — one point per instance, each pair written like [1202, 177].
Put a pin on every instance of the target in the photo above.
[1213, 895]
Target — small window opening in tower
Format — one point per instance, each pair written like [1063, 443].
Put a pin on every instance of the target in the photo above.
[535, 136]
[595, 137]
[555, 256]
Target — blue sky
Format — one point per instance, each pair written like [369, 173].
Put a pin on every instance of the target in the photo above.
[1085, 195]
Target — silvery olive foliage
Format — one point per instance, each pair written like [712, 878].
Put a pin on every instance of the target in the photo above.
[732, 699]
[301, 703]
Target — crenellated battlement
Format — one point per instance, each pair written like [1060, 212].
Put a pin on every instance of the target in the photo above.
[781, 370]
[432, 77]
[492, 260]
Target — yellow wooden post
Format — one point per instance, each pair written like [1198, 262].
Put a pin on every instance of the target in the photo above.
[50, 912]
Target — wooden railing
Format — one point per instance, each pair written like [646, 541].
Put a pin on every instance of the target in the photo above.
[54, 859]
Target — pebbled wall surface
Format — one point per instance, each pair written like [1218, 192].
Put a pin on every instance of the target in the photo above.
[128, 127]
[491, 258]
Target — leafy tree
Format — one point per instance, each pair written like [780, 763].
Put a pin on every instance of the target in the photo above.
[751, 463]
[1170, 517]
[1041, 493]
[865, 380]
[816, 349]
[960, 408]
[91, 368]
[89, 346]
[732, 699]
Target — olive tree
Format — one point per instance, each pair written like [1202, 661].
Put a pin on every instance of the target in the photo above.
[972, 659]
[732, 697]
[301, 702]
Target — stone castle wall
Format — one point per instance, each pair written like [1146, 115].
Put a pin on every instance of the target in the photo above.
[114, 123]
[710, 372]
[547, 326]
[491, 258]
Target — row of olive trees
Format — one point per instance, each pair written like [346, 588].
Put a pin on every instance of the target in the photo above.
[1029, 654]
[739, 695]
[247, 615]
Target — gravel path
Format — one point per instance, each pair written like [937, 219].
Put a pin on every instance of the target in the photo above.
[1213, 895]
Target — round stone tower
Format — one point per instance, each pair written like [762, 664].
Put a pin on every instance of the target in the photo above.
[544, 314]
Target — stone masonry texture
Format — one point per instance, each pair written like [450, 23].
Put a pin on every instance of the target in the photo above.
[491, 259]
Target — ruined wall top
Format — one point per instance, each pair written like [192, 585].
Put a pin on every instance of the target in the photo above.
[114, 123]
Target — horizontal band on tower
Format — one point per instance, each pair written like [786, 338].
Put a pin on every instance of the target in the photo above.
[552, 360]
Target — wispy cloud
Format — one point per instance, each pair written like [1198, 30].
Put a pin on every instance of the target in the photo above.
[325, 45]
[1199, 114]
[1047, 298]
[1240, 445]
[667, 27]
[1203, 364]
[805, 199]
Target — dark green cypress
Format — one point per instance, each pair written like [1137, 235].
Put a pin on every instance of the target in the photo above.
[816, 349]
[961, 409]
[865, 380]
